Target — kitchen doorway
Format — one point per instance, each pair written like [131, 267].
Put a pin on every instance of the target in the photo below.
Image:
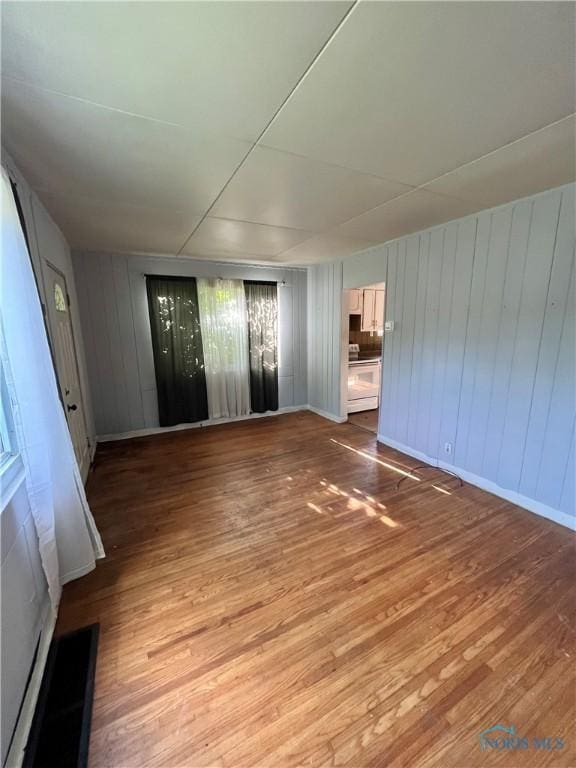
[363, 330]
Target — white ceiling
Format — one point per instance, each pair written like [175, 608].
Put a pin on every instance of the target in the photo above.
[283, 132]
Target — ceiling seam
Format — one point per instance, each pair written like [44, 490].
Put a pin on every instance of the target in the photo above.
[320, 51]
[498, 149]
[97, 104]
[435, 193]
[266, 224]
[331, 164]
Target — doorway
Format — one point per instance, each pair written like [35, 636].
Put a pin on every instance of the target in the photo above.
[363, 330]
[58, 302]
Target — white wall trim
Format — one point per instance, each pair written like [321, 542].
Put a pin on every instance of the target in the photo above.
[196, 425]
[326, 415]
[487, 485]
[16, 753]
[216, 422]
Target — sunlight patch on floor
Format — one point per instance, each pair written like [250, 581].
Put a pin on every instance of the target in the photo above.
[385, 464]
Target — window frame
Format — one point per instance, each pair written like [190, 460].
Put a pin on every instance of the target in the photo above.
[11, 463]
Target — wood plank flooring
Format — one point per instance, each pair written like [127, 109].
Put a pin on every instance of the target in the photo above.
[366, 419]
[270, 598]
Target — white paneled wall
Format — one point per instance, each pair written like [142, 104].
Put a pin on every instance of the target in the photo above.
[116, 329]
[482, 356]
[324, 334]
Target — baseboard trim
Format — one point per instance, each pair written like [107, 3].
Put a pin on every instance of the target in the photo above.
[196, 425]
[487, 485]
[15, 756]
[326, 415]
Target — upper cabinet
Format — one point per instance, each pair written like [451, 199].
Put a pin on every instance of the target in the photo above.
[369, 304]
[373, 310]
[368, 316]
[379, 310]
[355, 301]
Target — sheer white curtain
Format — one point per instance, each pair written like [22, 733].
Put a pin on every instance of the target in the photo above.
[224, 323]
[68, 538]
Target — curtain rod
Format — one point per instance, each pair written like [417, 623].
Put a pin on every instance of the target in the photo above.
[217, 277]
[219, 264]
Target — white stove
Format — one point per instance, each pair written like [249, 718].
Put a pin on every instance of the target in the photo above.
[363, 384]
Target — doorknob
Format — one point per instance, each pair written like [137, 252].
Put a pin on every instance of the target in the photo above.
[72, 407]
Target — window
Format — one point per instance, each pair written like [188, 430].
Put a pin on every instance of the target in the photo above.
[11, 465]
[8, 447]
[59, 299]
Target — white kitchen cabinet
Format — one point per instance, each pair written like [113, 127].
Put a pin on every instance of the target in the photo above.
[373, 310]
[355, 301]
[368, 309]
[379, 311]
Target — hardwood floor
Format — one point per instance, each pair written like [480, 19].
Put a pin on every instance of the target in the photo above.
[270, 598]
[365, 419]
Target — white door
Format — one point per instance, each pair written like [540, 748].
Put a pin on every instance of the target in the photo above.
[67, 365]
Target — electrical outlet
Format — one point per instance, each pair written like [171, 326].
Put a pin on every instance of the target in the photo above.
[389, 325]
[448, 448]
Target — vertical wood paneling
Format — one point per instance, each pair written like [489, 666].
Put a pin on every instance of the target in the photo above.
[406, 351]
[106, 414]
[127, 341]
[442, 336]
[117, 370]
[483, 351]
[488, 337]
[88, 337]
[386, 415]
[329, 331]
[568, 500]
[301, 336]
[557, 424]
[116, 329]
[399, 333]
[426, 403]
[312, 329]
[326, 333]
[463, 266]
[325, 318]
[419, 331]
[528, 337]
[471, 351]
[285, 391]
[285, 331]
[548, 415]
[519, 231]
[336, 347]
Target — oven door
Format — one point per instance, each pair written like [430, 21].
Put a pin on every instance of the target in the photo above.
[363, 381]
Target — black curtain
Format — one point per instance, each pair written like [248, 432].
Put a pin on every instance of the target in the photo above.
[262, 306]
[177, 345]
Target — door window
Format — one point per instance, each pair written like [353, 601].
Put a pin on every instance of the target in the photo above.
[59, 299]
